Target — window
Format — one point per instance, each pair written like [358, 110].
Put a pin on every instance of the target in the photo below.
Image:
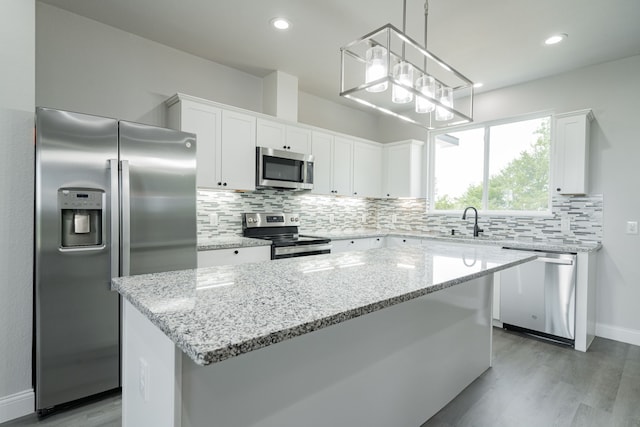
[497, 167]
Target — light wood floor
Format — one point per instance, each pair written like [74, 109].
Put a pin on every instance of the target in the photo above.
[532, 383]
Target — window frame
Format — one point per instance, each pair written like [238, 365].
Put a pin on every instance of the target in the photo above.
[430, 161]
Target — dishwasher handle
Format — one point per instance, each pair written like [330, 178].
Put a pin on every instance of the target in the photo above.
[555, 260]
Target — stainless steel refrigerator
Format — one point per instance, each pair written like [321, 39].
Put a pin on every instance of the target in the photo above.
[113, 198]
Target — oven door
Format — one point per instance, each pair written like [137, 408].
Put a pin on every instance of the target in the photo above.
[297, 250]
[283, 169]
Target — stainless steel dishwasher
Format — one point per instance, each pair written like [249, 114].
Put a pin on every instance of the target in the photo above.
[539, 297]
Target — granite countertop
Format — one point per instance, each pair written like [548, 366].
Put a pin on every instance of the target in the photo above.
[483, 240]
[216, 313]
[229, 242]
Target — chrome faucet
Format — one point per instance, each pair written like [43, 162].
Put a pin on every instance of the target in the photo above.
[476, 229]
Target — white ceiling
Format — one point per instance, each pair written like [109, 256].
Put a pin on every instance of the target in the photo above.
[497, 42]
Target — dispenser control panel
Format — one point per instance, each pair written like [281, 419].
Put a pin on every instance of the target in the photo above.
[78, 199]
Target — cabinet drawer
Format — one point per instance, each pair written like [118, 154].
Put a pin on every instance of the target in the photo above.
[233, 256]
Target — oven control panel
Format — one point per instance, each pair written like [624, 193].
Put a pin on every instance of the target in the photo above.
[258, 220]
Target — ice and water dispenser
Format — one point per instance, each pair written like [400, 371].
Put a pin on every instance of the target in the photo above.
[81, 212]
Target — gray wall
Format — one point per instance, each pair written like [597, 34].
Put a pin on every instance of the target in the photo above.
[93, 68]
[611, 90]
[17, 86]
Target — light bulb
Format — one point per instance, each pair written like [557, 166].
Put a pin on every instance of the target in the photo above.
[403, 72]
[376, 67]
[427, 86]
[445, 96]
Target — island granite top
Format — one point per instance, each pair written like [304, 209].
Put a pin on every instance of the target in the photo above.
[216, 313]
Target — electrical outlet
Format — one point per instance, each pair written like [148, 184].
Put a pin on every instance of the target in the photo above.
[143, 379]
[565, 224]
[332, 218]
[213, 219]
[632, 227]
[394, 218]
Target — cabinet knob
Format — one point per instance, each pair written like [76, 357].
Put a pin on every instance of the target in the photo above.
[355, 193]
[388, 195]
[219, 183]
[224, 184]
[284, 147]
[558, 189]
[352, 242]
[236, 252]
[377, 240]
[404, 240]
[288, 147]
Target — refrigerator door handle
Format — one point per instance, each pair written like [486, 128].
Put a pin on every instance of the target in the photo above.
[115, 217]
[125, 225]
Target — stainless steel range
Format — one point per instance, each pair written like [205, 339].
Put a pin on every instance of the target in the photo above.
[282, 230]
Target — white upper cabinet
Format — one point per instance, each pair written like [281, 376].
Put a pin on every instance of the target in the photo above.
[367, 167]
[237, 164]
[570, 153]
[225, 142]
[402, 169]
[332, 164]
[280, 136]
[342, 166]
[322, 150]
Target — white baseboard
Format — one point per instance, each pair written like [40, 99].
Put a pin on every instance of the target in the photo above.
[17, 405]
[617, 333]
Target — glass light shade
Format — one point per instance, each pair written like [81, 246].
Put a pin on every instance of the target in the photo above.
[445, 96]
[403, 72]
[376, 67]
[427, 86]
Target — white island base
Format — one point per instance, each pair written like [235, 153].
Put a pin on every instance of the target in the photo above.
[394, 367]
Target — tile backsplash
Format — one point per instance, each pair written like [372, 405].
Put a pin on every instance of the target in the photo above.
[331, 213]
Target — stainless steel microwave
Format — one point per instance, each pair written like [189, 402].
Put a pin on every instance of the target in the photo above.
[283, 169]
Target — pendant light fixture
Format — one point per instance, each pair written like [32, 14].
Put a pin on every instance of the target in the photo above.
[423, 87]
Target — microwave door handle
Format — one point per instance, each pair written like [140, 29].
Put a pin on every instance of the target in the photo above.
[303, 177]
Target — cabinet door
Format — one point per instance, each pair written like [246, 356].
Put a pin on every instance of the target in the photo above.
[397, 172]
[270, 134]
[321, 148]
[377, 242]
[298, 139]
[403, 169]
[571, 153]
[205, 121]
[339, 246]
[233, 256]
[238, 156]
[367, 163]
[342, 166]
[395, 241]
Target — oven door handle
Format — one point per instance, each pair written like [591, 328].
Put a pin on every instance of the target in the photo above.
[298, 249]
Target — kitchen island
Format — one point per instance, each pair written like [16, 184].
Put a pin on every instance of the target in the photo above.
[380, 337]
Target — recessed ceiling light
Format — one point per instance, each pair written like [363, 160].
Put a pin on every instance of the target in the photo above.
[477, 85]
[555, 39]
[280, 23]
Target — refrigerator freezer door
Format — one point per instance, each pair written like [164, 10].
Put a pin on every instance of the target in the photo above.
[76, 313]
[158, 172]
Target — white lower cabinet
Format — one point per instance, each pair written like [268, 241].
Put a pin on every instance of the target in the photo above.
[233, 256]
[395, 241]
[361, 244]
